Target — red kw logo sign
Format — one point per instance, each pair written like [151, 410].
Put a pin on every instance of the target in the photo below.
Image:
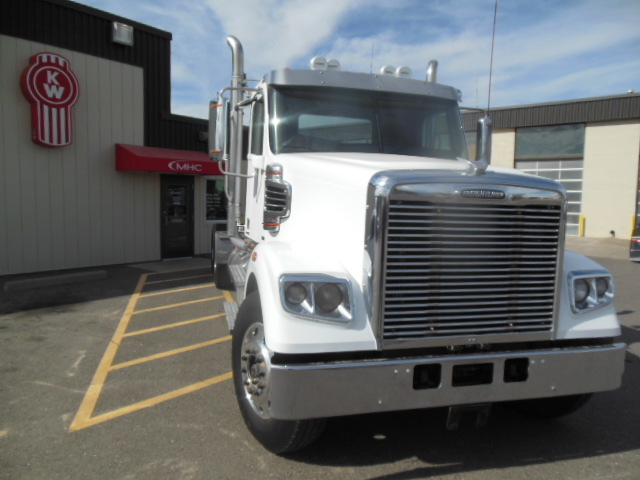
[52, 88]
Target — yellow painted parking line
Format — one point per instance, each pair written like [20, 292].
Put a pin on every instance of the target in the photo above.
[176, 305]
[90, 399]
[150, 402]
[174, 279]
[168, 353]
[84, 417]
[172, 325]
[176, 290]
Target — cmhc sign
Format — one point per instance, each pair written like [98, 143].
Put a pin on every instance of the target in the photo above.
[184, 167]
[52, 88]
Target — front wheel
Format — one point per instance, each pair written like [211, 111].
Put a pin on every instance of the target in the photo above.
[251, 364]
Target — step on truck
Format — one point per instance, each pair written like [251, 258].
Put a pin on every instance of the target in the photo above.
[376, 268]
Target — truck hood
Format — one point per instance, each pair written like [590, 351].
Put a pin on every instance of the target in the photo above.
[329, 195]
[367, 162]
[329, 203]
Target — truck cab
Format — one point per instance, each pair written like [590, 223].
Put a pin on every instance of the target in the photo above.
[375, 267]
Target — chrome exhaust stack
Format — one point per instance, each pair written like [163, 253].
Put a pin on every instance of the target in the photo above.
[238, 82]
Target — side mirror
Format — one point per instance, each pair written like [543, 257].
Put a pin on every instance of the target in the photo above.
[483, 145]
[218, 128]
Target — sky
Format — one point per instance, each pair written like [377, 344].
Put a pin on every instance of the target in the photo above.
[545, 50]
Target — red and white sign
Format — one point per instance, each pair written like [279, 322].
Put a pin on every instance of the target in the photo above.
[164, 160]
[52, 88]
[179, 166]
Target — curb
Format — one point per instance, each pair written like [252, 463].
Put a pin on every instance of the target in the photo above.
[55, 280]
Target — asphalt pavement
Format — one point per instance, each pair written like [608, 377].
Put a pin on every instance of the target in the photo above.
[122, 372]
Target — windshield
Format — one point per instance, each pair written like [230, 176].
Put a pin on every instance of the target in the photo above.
[334, 120]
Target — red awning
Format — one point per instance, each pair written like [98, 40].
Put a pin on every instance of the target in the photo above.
[165, 160]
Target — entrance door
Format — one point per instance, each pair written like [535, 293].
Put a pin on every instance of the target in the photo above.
[177, 216]
[216, 208]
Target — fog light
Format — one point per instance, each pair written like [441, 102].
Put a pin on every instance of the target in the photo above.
[581, 290]
[296, 293]
[328, 297]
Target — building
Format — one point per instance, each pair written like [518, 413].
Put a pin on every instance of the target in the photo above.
[591, 146]
[94, 168]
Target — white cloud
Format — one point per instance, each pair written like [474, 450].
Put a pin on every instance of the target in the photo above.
[545, 50]
[566, 53]
[275, 33]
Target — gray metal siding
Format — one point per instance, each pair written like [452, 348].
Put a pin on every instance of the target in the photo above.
[68, 207]
[604, 109]
[76, 27]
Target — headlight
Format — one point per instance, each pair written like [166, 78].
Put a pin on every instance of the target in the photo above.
[328, 298]
[319, 297]
[295, 293]
[602, 286]
[589, 290]
[581, 290]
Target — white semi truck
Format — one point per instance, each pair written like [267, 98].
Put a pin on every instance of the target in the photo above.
[376, 268]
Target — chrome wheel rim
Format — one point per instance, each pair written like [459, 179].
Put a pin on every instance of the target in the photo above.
[255, 365]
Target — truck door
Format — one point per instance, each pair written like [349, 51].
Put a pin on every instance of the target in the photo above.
[255, 192]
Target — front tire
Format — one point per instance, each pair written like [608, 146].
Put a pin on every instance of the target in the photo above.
[251, 365]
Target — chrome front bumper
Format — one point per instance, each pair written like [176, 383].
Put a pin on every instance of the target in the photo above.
[347, 388]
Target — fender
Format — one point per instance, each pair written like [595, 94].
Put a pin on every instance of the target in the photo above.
[601, 322]
[288, 333]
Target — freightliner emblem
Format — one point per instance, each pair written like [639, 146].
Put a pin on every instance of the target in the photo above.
[483, 193]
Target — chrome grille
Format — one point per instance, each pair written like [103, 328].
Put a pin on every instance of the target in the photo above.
[469, 269]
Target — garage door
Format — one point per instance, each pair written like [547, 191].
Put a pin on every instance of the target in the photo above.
[555, 152]
[569, 174]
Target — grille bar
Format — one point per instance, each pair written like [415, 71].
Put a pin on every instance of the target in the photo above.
[276, 199]
[469, 269]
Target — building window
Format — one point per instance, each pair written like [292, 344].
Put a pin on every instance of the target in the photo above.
[637, 224]
[216, 200]
[557, 153]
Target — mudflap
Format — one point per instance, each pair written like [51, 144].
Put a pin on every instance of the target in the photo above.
[220, 267]
[481, 411]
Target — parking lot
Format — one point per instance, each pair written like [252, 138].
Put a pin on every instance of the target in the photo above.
[124, 374]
